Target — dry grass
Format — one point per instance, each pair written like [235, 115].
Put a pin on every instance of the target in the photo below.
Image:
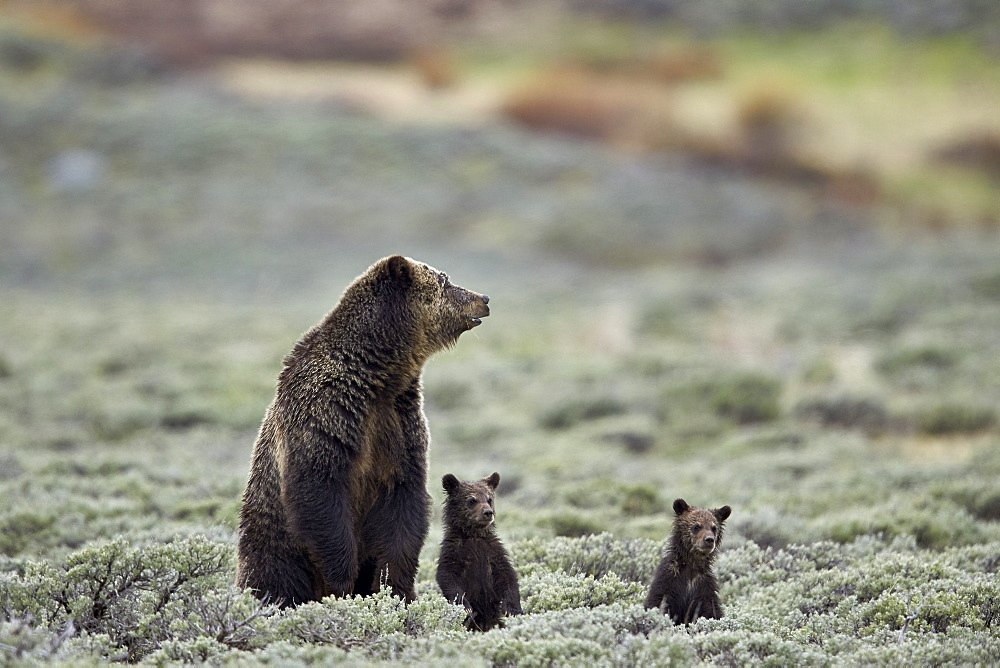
[436, 67]
[627, 100]
[574, 100]
[684, 65]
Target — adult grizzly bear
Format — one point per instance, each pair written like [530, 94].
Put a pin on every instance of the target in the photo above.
[336, 501]
[474, 569]
[684, 585]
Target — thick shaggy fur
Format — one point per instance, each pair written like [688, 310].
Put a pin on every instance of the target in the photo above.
[336, 501]
[474, 569]
[684, 585]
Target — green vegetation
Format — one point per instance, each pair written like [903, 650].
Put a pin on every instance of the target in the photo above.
[857, 110]
[740, 342]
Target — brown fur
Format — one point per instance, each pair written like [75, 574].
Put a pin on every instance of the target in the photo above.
[474, 569]
[684, 585]
[336, 501]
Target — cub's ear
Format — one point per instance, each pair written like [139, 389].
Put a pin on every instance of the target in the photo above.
[680, 506]
[399, 270]
[493, 480]
[722, 513]
[450, 482]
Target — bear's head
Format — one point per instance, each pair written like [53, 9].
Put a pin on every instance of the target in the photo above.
[420, 294]
[468, 506]
[699, 529]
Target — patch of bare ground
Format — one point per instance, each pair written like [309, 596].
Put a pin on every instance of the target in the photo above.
[403, 93]
[954, 450]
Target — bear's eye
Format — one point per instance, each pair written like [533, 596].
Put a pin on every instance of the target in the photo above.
[472, 501]
[714, 529]
[697, 527]
[490, 501]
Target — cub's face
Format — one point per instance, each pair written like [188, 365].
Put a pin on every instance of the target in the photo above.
[701, 529]
[446, 310]
[471, 502]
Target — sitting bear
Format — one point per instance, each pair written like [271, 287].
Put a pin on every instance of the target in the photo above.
[684, 585]
[337, 502]
[474, 569]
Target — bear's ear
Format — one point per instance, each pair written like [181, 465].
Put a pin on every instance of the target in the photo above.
[680, 506]
[399, 270]
[493, 480]
[450, 482]
[722, 513]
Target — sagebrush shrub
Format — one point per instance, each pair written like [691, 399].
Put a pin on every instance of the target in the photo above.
[596, 555]
[560, 591]
[139, 596]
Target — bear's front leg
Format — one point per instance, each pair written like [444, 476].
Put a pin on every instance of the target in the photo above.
[394, 533]
[705, 599]
[505, 583]
[396, 527]
[662, 579]
[449, 579]
[317, 502]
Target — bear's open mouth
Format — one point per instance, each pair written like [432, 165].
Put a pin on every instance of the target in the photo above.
[474, 322]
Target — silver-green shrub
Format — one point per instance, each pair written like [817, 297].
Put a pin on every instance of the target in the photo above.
[556, 590]
[595, 555]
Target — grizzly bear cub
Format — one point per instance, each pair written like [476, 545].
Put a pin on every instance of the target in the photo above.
[684, 585]
[474, 569]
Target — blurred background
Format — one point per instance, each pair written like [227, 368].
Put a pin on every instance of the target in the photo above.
[215, 140]
[736, 251]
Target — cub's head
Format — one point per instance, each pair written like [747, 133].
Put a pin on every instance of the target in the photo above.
[699, 529]
[442, 310]
[468, 506]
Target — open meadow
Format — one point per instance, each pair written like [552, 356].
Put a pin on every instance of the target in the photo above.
[667, 321]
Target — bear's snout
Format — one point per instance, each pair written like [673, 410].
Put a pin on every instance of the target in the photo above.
[481, 303]
[478, 310]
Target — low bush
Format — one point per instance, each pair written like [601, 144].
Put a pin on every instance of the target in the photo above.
[556, 591]
[932, 526]
[987, 286]
[847, 412]
[930, 357]
[138, 596]
[594, 555]
[748, 398]
[954, 418]
[980, 498]
[574, 525]
[575, 410]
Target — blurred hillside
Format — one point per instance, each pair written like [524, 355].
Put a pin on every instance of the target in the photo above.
[193, 30]
[591, 134]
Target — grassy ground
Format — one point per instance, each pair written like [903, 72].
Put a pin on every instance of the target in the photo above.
[659, 330]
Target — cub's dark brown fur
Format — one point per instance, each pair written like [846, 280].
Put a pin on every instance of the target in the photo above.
[337, 500]
[474, 569]
[684, 585]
